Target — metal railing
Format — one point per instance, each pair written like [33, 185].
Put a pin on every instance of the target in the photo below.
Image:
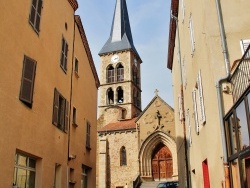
[240, 78]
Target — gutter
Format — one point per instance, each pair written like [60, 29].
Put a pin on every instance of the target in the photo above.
[219, 93]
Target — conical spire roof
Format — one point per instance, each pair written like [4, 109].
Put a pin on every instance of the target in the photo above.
[120, 35]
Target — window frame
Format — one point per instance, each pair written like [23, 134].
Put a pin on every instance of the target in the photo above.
[35, 9]
[26, 167]
[120, 73]
[123, 156]
[64, 55]
[110, 74]
[88, 135]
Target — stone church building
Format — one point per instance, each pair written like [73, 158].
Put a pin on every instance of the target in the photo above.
[133, 145]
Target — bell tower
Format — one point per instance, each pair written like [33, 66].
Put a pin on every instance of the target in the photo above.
[120, 79]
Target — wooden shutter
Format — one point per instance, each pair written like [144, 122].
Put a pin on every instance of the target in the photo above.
[189, 128]
[180, 108]
[191, 32]
[243, 45]
[38, 14]
[195, 112]
[66, 116]
[205, 174]
[201, 99]
[27, 80]
[55, 107]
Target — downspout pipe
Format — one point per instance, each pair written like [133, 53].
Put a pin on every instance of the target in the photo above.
[218, 89]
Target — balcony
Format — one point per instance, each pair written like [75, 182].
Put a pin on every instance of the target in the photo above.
[240, 78]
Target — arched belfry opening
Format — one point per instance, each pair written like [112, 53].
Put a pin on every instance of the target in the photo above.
[110, 96]
[120, 95]
[157, 157]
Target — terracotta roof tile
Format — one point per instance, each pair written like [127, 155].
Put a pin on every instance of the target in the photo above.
[120, 125]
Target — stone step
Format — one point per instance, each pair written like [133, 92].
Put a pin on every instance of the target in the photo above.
[150, 184]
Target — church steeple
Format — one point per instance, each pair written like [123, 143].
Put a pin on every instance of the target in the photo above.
[120, 35]
[120, 79]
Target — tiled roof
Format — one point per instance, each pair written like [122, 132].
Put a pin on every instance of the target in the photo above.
[172, 32]
[74, 4]
[120, 125]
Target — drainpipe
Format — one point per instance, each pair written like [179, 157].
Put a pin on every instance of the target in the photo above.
[70, 102]
[182, 102]
[219, 93]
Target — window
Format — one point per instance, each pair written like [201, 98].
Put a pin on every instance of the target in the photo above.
[60, 111]
[24, 171]
[120, 73]
[111, 74]
[84, 177]
[88, 135]
[201, 99]
[191, 32]
[135, 76]
[123, 157]
[64, 55]
[74, 116]
[195, 112]
[243, 46]
[110, 96]
[27, 81]
[189, 128]
[35, 14]
[119, 95]
[180, 107]
[183, 10]
[76, 65]
[57, 176]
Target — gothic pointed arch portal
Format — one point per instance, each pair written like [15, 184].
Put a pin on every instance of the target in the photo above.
[158, 158]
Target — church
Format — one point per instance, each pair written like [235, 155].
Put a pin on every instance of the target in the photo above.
[133, 145]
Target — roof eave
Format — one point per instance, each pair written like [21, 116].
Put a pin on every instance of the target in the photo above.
[172, 33]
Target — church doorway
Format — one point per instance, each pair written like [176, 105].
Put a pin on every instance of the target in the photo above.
[162, 163]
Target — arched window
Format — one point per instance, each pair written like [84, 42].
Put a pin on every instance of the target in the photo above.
[119, 95]
[123, 157]
[120, 73]
[135, 74]
[110, 96]
[110, 74]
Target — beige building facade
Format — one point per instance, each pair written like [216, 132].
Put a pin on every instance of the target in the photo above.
[48, 94]
[205, 45]
[134, 145]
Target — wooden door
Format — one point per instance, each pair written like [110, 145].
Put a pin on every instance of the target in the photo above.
[162, 165]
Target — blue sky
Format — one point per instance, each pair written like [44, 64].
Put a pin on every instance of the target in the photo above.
[149, 21]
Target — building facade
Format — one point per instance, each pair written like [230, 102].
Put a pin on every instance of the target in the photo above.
[206, 43]
[48, 104]
[133, 145]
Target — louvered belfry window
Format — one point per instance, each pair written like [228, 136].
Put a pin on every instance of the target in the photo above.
[35, 14]
[60, 111]
[120, 73]
[110, 74]
[27, 81]
[64, 55]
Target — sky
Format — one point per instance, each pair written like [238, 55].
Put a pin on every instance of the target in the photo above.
[149, 22]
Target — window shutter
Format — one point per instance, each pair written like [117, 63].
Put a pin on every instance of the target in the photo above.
[33, 12]
[191, 31]
[38, 15]
[66, 116]
[195, 112]
[243, 45]
[201, 99]
[189, 129]
[27, 80]
[180, 107]
[55, 107]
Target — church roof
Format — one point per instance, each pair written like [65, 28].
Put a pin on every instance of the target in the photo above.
[120, 125]
[120, 35]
